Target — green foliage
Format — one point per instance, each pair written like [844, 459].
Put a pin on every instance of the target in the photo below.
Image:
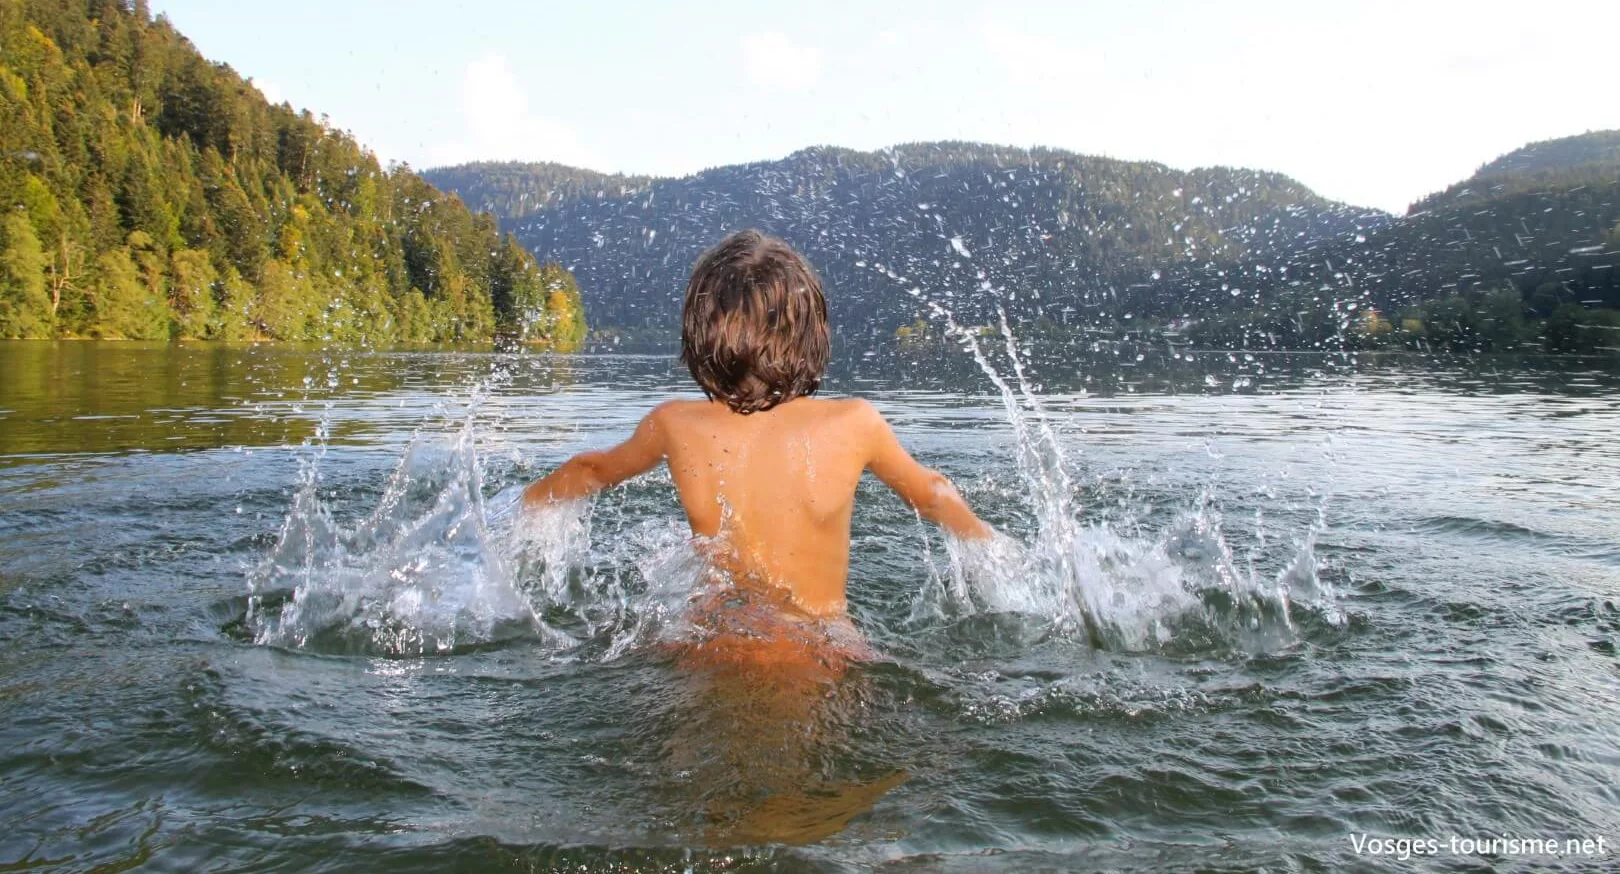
[230, 320]
[164, 197]
[25, 308]
[285, 304]
[191, 293]
[1522, 256]
[1574, 329]
[1563, 163]
[415, 319]
[1500, 320]
[122, 305]
[558, 314]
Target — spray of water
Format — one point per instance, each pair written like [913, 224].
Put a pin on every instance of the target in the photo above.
[436, 567]
[1131, 593]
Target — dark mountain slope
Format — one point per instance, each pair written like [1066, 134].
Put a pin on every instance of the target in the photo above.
[1043, 232]
[1081, 244]
[1552, 165]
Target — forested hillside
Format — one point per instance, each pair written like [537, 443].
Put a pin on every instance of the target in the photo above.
[1520, 257]
[1047, 234]
[1559, 164]
[512, 190]
[149, 194]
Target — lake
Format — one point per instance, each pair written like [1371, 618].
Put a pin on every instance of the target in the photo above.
[271, 608]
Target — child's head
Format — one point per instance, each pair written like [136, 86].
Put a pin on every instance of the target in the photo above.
[754, 329]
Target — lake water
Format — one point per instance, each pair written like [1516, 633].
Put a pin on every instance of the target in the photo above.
[270, 609]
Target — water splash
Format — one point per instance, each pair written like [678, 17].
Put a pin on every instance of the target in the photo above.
[423, 573]
[1181, 587]
[436, 568]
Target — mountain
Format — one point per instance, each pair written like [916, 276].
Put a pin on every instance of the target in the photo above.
[512, 190]
[1040, 232]
[1084, 247]
[150, 194]
[1546, 213]
[1521, 256]
[1560, 164]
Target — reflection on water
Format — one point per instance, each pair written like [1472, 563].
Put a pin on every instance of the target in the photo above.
[757, 741]
[104, 397]
[73, 397]
[96, 397]
[1330, 599]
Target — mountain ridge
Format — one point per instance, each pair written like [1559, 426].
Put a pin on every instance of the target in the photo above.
[1563, 162]
[1254, 256]
[1108, 223]
[571, 181]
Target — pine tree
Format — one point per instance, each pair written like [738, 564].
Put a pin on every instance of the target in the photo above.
[282, 307]
[231, 319]
[565, 318]
[414, 319]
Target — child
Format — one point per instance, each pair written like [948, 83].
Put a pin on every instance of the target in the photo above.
[766, 473]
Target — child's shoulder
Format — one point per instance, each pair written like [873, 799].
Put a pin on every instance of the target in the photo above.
[845, 411]
[682, 407]
[860, 408]
[678, 413]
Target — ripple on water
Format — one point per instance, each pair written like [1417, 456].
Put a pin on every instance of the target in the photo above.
[258, 734]
[1461, 679]
[1083, 699]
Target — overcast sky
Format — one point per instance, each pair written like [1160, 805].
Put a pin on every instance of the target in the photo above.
[1375, 103]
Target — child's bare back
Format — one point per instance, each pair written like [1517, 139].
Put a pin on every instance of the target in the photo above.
[766, 474]
[774, 490]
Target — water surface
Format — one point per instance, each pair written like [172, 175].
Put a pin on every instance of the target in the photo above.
[1252, 607]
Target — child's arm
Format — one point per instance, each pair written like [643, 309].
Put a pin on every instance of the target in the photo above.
[927, 491]
[590, 472]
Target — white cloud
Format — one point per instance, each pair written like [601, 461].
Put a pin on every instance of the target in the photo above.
[1037, 59]
[270, 90]
[498, 124]
[772, 60]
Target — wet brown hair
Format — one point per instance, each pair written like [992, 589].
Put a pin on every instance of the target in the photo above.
[754, 327]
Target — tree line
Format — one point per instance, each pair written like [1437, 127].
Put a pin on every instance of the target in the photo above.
[1523, 256]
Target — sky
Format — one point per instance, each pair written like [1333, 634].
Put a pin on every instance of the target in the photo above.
[1370, 102]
